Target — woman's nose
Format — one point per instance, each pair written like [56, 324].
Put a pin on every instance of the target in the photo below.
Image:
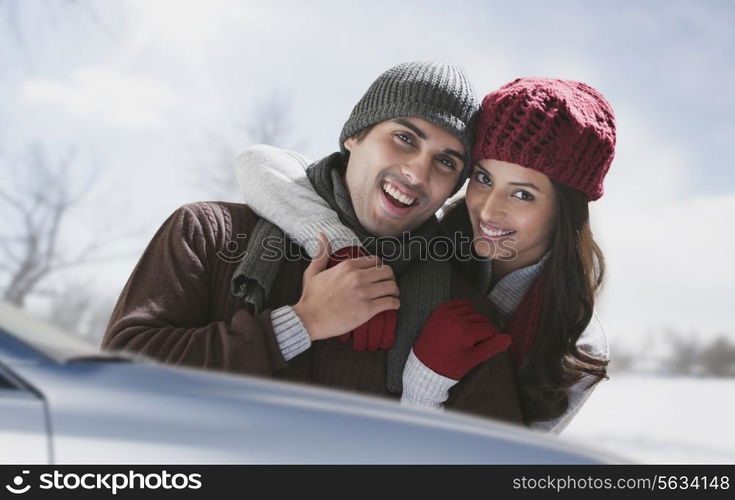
[493, 209]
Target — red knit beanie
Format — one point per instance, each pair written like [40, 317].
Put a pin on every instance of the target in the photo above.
[562, 128]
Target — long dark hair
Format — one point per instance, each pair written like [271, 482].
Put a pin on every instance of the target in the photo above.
[574, 273]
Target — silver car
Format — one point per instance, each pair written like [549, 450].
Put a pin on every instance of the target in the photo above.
[62, 401]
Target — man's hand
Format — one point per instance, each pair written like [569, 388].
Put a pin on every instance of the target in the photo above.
[379, 332]
[337, 300]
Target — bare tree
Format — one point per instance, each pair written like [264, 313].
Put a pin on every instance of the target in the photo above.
[24, 17]
[78, 308]
[35, 202]
[212, 169]
[622, 361]
[685, 353]
[70, 306]
[718, 358]
[270, 122]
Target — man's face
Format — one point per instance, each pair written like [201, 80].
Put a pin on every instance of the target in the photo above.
[401, 173]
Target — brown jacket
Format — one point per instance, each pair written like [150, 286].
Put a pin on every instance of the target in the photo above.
[177, 307]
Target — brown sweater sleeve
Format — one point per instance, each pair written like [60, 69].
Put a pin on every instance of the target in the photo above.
[176, 306]
[491, 388]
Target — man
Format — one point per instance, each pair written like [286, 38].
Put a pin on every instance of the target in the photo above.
[403, 151]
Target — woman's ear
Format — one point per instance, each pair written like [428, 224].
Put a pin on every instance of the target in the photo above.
[349, 143]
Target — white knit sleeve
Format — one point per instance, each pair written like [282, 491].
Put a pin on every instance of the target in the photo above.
[274, 185]
[422, 386]
[291, 334]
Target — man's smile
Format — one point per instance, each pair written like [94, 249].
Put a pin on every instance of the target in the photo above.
[398, 196]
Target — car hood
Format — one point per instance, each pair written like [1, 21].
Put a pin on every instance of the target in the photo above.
[103, 411]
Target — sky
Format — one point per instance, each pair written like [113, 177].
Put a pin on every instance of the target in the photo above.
[144, 90]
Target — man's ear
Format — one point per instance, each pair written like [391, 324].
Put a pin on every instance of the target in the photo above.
[349, 143]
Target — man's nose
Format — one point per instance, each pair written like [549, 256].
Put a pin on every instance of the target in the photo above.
[417, 170]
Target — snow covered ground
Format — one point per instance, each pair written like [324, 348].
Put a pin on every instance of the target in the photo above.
[660, 420]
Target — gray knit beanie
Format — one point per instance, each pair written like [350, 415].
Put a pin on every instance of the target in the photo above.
[438, 93]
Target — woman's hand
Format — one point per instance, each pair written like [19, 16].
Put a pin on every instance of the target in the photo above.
[457, 338]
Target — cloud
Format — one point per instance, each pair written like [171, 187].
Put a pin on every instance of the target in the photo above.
[668, 247]
[104, 96]
[648, 169]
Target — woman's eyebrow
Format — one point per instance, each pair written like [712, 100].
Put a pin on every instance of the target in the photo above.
[521, 184]
[526, 184]
[477, 165]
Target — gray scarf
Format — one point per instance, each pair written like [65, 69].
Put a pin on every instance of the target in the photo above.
[423, 283]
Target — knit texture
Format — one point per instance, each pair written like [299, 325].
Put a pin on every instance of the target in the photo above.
[178, 308]
[291, 334]
[507, 293]
[524, 324]
[254, 276]
[518, 301]
[562, 128]
[438, 93]
[423, 284]
[273, 183]
[422, 386]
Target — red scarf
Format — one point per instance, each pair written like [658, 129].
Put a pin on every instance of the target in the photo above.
[524, 323]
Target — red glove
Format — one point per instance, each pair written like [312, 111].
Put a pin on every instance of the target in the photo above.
[346, 253]
[457, 338]
[379, 332]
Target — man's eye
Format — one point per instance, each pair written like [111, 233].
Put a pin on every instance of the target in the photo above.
[447, 162]
[405, 138]
[482, 178]
[524, 195]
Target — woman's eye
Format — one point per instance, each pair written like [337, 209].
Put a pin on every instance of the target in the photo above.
[524, 195]
[482, 178]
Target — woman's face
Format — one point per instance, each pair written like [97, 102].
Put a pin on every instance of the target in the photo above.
[512, 210]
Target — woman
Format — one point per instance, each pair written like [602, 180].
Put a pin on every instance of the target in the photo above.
[542, 149]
